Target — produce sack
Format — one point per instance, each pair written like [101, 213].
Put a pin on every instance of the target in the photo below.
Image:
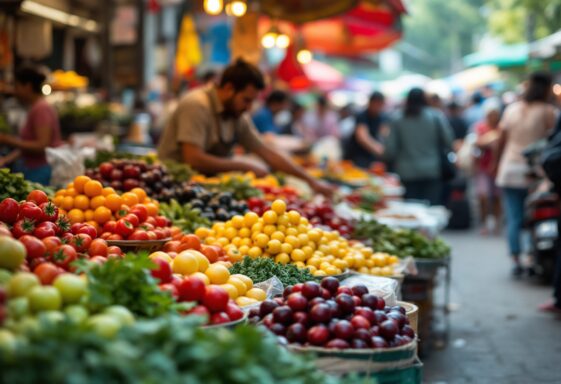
[386, 288]
[66, 163]
[272, 287]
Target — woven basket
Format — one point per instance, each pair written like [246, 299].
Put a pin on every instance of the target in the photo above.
[412, 312]
[139, 245]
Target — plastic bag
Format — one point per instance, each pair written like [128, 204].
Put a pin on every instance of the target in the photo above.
[66, 163]
[406, 266]
[272, 287]
[383, 287]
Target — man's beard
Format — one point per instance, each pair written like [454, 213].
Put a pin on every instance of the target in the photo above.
[229, 111]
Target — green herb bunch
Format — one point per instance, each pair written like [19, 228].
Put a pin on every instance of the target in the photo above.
[263, 268]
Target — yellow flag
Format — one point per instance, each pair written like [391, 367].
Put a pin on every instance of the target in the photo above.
[189, 53]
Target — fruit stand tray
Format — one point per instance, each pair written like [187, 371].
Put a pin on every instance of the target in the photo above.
[148, 245]
[231, 324]
[361, 361]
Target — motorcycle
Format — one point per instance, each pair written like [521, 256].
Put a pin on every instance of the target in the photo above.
[542, 213]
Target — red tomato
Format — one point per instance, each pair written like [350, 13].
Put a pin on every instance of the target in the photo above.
[210, 253]
[162, 271]
[139, 235]
[50, 211]
[38, 197]
[162, 221]
[34, 247]
[124, 228]
[200, 310]
[234, 312]
[98, 259]
[115, 250]
[215, 298]
[167, 232]
[147, 226]
[151, 220]
[9, 210]
[5, 231]
[152, 235]
[98, 247]
[47, 272]
[191, 289]
[114, 236]
[51, 244]
[81, 242]
[219, 318]
[63, 224]
[105, 235]
[192, 241]
[110, 226]
[45, 229]
[160, 234]
[30, 211]
[140, 211]
[133, 219]
[23, 227]
[89, 230]
[172, 246]
[64, 255]
[67, 238]
[122, 212]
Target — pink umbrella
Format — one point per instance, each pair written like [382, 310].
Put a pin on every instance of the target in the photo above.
[323, 76]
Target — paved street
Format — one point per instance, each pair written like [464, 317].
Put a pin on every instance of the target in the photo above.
[497, 335]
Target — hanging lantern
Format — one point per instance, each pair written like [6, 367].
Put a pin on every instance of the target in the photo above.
[213, 7]
[282, 41]
[304, 56]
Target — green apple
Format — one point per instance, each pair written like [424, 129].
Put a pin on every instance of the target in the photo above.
[104, 325]
[12, 253]
[18, 308]
[44, 298]
[76, 313]
[7, 341]
[5, 276]
[21, 283]
[71, 287]
[123, 314]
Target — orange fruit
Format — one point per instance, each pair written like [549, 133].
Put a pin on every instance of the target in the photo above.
[80, 182]
[130, 199]
[67, 203]
[102, 215]
[152, 209]
[98, 201]
[113, 202]
[61, 192]
[185, 264]
[58, 200]
[69, 185]
[89, 214]
[82, 202]
[140, 193]
[218, 274]
[76, 216]
[71, 192]
[93, 188]
[108, 191]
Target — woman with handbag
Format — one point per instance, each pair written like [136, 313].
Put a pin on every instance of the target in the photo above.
[419, 141]
[523, 123]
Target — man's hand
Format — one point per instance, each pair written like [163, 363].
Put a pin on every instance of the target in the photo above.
[249, 165]
[322, 188]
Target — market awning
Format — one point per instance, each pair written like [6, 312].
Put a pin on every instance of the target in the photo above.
[547, 47]
[504, 56]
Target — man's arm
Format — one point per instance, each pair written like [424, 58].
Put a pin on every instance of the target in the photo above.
[10, 157]
[206, 163]
[35, 146]
[368, 142]
[280, 162]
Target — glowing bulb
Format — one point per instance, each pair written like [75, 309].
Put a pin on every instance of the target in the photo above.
[46, 89]
[268, 40]
[238, 8]
[282, 41]
[213, 7]
[304, 56]
[557, 89]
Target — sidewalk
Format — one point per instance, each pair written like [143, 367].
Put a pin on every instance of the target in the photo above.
[497, 334]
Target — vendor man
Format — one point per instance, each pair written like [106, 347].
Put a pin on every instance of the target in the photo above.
[210, 121]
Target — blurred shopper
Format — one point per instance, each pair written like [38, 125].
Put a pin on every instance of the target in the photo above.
[474, 113]
[417, 139]
[458, 124]
[264, 118]
[321, 121]
[488, 194]
[347, 121]
[523, 123]
[295, 127]
[40, 130]
[209, 122]
[364, 145]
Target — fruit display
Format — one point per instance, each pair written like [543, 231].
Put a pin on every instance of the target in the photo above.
[15, 186]
[336, 317]
[184, 216]
[400, 242]
[195, 266]
[262, 269]
[288, 238]
[241, 186]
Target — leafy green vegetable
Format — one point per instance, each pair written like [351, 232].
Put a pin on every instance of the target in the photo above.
[241, 189]
[263, 268]
[15, 186]
[167, 350]
[180, 172]
[127, 282]
[400, 242]
[182, 215]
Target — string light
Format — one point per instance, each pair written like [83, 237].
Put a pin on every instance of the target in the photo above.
[304, 56]
[46, 89]
[238, 8]
[268, 40]
[213, 7]
[282, 41]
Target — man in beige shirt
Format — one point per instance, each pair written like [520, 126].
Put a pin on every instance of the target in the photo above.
[210, 121]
